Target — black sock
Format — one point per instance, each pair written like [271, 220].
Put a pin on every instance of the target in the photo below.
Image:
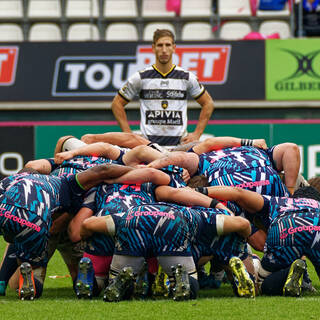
[194, 287]
[151, 278]
[273, 284]
[39, 288]
[9, 265]
[95, 288]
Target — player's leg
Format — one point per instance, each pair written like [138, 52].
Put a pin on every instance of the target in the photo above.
[8, 268]
[286, 157]
[182, 274]
[122, 139]
[122, 276]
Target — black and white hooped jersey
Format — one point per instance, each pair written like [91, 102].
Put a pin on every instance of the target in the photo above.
[163, 99]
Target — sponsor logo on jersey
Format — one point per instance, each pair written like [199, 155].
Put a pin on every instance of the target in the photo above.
[164, 104]
[164, 118]
[8, 65]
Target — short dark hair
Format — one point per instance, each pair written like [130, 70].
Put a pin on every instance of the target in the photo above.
[315, 182]
[28, 170]
[307, 192]
[159, 33]
[198, 181]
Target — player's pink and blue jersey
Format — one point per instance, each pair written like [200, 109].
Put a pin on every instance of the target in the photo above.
[77, 164]
[110, 199]
[293, 232]
[245, 167]
[208, 243]
[27, 202]
[278, 206]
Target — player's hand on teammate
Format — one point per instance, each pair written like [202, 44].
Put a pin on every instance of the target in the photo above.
[185, 175]
[190, 137]
[61, 156]
[260, 143]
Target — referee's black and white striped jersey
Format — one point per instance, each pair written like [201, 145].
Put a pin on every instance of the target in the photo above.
[163, 101]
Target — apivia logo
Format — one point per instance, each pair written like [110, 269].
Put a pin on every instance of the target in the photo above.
[8, 65]
[105, 75]
[307, 67]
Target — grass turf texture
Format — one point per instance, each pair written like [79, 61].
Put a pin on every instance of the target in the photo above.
[59, 302]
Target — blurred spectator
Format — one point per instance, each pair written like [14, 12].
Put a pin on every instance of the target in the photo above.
[272, 4]
[310, 18]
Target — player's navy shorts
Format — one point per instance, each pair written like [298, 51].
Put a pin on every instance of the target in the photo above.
[146, 231]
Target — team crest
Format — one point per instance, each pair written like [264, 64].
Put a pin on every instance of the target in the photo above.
[164, 104]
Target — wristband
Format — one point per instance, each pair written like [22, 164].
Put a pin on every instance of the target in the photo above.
[247, 142]
[203, 190]
[214, 203]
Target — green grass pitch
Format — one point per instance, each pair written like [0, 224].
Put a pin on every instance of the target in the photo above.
[59, 302]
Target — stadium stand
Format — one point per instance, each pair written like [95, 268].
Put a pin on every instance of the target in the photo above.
[268, 28]
[45, 32]
[213, 14]
[10, 32]
[11, 9]
[234, 30]
[115, 9]
[82, 32]
[197, 31]
[118, 31]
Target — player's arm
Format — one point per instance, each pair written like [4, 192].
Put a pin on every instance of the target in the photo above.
[112, 173]
[101, 149]
[142, 175]
[207, 108]
[230, 224]
[186, 160]
[141, 154]
[41, 165]
[60, 223]
[257, 240]
[121, 139]
[248, 200]
[97, 224]
[187, 197]
[217, 143]
[119, 113]
[76, 222]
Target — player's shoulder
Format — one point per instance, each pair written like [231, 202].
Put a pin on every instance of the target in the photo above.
[145, 70]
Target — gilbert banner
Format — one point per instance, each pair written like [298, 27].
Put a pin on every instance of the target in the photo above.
[293, 69]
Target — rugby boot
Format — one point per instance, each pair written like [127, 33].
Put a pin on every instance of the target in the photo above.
[159, 287]
[85, 279]
[141, 284]
[119, 285]
[307, 283]
[292, 286]
[27, 288]
[181, 289]
[244, 284]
